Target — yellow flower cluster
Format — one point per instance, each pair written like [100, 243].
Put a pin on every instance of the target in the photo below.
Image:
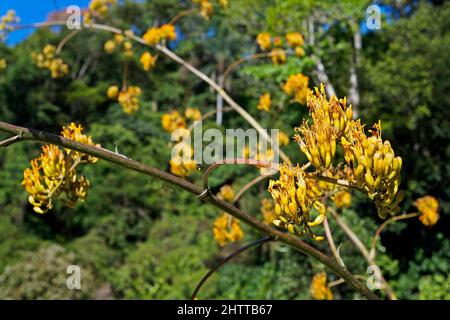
[226, 193]
[47, 60]
[98, 9]
[119, 41]
[128, 97]
[7, 23]
[428, 207]
[173, 120]
[54, 173]
[295, 197]
[3, 64]
[371, 162]
[295, 40]
[376, 168]
[319, 289]
[264, 102]
[183, 163]
[148, 61]
[278, 54]
[156, 35]
[342, 199]
[267, 210]
[227, 229]
[297, 86]
[207, 9]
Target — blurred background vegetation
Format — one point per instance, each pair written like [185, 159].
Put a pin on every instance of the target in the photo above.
[135, 237]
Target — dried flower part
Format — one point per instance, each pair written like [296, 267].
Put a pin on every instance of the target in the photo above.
[54, 173]
[264, 41]
[297, 86]
[376, 169]
[172, 121]
[295, 39]
[227, 229]
[319, 289]
[193, 114]
[268, 211]
[129, 99]
[295, 197]
[428, 207]
[264, 102]
[226, 193]
[148, 61]
[7, 23]
[156, 35]
[342, 199]
[47, 60]
[278, 56]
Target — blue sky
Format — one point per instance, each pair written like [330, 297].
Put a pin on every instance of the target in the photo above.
[31, 11]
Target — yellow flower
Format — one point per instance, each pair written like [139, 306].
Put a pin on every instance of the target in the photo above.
[277, 41]
[294, 39]
[152, 36]
[3, 64]
[264, 102]
[7, 23]
[264, 41]
[206, 9]
[227, 229]
[148, 61]
[109, 46]
[75, 132]
[172, 121]
[299, 51]
[268, 211]
[100, 7]
[278, 56]
[193, 114]
[129, 99]
[342, 199]
[223, 3]
[319, 289]
[113, 92]
[168, 32]
[297, 85]
[428, 207]
[226, 193]
[283, 138]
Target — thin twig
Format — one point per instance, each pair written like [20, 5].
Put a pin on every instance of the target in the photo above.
[248, 186]
[10, 141]
[181, 15]
[66, 39]
[228, 258]
[331, 241]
